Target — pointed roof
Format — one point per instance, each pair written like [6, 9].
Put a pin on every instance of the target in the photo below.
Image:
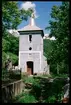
[31, 26]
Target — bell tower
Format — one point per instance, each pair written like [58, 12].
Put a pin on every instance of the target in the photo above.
[31, 58]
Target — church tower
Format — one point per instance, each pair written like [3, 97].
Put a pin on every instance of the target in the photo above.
[31, 48]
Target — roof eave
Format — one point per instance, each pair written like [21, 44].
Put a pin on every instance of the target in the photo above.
[31, 32]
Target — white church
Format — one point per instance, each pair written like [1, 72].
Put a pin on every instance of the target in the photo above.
[31, 58]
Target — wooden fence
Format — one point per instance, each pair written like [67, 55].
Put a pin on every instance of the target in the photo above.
[10, 90]
[12, 85]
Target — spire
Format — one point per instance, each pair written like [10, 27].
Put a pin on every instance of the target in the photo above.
[32, 22]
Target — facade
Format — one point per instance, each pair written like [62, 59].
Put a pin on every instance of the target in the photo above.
[31, 57]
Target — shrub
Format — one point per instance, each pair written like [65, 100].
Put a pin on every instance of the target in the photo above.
[27, 98]
[24, 76]
[29, 80]
[51, 99]
[13, 57]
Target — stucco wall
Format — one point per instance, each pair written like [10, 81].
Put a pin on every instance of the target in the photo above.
[36, 43]
[34, 55]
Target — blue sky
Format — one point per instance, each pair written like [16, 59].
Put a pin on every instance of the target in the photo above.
[43, 10]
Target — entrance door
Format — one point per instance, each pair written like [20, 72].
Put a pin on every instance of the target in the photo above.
[30, 67]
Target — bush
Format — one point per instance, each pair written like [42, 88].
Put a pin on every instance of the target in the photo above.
[51, 99]
[27, 98]
[4, 57]
[29, 80]
[13, 57]
[24, 76]
[36, 90]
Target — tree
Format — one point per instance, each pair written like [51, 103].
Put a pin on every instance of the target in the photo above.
[59, 28]
[12, 16]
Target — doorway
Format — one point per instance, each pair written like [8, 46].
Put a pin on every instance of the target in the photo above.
[30, 67]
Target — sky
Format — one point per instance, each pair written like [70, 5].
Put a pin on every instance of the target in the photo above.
[42, 10]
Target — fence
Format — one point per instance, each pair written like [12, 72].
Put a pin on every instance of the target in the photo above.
[10, 90]
[12, 85]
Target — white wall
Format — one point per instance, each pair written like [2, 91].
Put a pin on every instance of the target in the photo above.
[37, 48]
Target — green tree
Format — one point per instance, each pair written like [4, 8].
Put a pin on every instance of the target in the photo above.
[59, 28]
[12, 16]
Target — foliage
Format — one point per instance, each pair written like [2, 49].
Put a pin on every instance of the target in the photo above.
[36, 89]
[4, 57]
[12, 15]
[19, 95]
[43, 91]
[29, 80]
[51, 99]
[59, 28]
[25, 98]
[48, 48]
[54, 92]
[5, 75]
[10, 43]
[5, 45]
[24, 76]
[28, 98]
[46, 76]
[11, 18]
[59, 75]
[10, 47]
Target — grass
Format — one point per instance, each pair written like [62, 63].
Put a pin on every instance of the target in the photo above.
[25, 98]
[29, 80]
[46, 75]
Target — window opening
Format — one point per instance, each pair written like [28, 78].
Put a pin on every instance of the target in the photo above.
[30, 48]
[30, 38]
